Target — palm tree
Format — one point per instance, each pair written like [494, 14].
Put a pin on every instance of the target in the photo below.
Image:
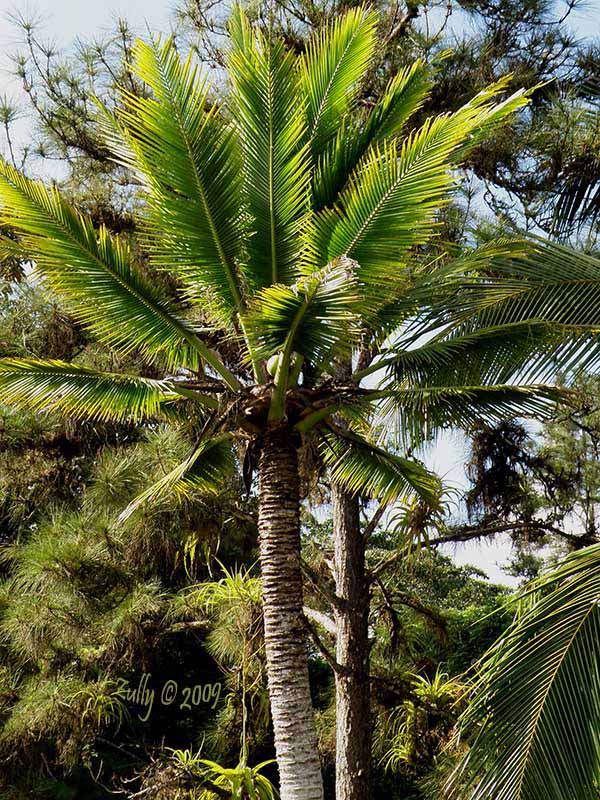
[286, 221]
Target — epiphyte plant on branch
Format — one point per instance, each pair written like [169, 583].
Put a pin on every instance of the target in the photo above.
[287, 214]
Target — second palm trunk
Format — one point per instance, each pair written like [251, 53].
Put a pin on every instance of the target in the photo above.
[353, 768]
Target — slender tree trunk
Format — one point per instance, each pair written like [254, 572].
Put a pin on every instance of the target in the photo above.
[285, 639]
[353, 768]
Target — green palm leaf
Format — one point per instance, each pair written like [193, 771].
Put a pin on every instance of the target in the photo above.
[204, 471]
[391, 200]
[96, 273]
[578, 187]
[578, 200]
[496, 116]
[431, 290]
[80, 391]
[335, 62]
[337, 160]
[549, 282]
[316, 317]
[419, 412]
[312, 322]
[187, 158]
[465, 357]
[364, 468]
[535, 712]
[269, 118]
[404, 95]
[384, 210]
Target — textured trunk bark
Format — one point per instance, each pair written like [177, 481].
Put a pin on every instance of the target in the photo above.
[285, 639]
[353, 767]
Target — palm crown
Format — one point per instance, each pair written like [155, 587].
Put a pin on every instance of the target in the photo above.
[289, 213]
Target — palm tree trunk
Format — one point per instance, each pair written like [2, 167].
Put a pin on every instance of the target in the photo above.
[285, 638]
[353, 767]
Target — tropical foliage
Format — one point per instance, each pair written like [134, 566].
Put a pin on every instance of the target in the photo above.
[287, 247]
[270, 286]
[539, 686]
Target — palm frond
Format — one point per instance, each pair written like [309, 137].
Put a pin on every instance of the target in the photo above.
[431, 290]
[270, 123]
[315, 317]
[404, 95]
[337, 159]
[577, 190]
[498, 115]
[550, 282]
[80, 391]
[390, 203]
[186, 156]
[310, 323]
[535, 711]
[336, 60]
[355, 406]
[418, 413]
[128, 310]
[477, 356]
[202, 472]
[364, 468]
[356, 133]
[577, 200]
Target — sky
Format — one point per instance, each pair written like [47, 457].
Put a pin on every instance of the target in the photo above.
[66, 20]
